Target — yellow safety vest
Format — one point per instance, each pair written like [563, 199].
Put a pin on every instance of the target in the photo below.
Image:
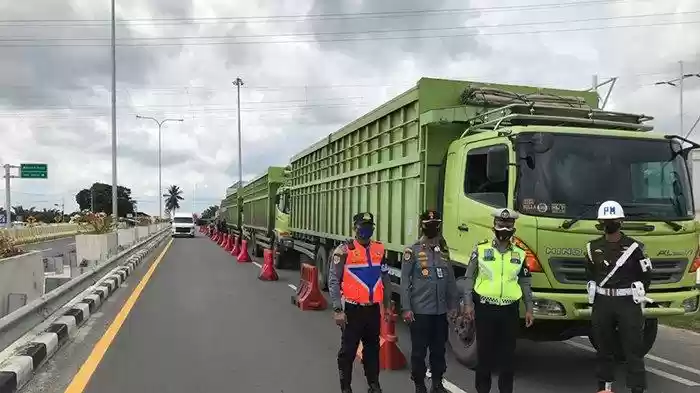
[497, 277]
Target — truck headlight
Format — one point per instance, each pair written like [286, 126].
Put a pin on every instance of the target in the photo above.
[548, 307]
[691, 304]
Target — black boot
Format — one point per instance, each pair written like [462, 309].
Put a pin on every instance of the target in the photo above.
[374, 388]
[437, 386]
[420, 387]
[346, 390]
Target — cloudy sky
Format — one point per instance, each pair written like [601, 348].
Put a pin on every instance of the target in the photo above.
[309, 67]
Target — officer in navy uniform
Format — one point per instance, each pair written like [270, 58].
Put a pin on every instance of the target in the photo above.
[619, 275]
[428, 293]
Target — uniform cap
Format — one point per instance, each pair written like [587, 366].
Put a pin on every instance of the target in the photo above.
[430, 215]
[505, 214]
[363, 218]
[610, 210]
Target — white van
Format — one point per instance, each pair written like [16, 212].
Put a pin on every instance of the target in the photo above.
[183, 224]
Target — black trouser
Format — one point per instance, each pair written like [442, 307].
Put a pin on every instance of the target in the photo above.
[610, 315]
[496, 331]
[428, 332]
[362, 325]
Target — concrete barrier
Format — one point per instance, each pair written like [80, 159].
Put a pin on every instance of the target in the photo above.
[21, 281]
[141, 232]
[95, 247]
[126, 237]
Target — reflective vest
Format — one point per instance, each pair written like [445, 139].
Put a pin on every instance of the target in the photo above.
[362, 275]
[497, 278]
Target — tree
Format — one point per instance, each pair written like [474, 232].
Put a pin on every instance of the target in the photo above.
[209, 212]
[173, 198]
[98, 198]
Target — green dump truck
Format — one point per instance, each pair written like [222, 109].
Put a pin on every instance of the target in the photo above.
[467, 148]
[263, 224]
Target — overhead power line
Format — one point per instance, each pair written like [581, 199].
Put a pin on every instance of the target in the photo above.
[308, 17]
[335, 33]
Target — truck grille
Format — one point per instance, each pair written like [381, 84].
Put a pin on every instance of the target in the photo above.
[182, 230]
[572, 271]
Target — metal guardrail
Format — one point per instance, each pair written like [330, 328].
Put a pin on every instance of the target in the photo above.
[14, 325]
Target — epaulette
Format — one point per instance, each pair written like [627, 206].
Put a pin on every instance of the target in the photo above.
[483, 242]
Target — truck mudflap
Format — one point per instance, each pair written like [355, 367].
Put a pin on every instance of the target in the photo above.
[576, 306]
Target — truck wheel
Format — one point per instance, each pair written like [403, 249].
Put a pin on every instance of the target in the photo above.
[462, 341]
[651, 328]
[322, 266]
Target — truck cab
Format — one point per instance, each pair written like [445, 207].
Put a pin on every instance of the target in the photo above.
[556, 177]
[183, 224]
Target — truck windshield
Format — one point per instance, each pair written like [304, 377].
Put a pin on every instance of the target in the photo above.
[579, 171]
[183, 220]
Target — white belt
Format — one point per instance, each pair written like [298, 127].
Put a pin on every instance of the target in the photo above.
[614, 291]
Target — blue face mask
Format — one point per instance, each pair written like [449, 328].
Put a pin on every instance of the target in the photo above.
[365, 231]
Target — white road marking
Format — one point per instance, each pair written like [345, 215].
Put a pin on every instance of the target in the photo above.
[257, 264]
[448, 385]
[673, 364]
[294, 287]
[652, 370]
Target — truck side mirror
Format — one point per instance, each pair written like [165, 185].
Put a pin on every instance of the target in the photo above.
[497, 164]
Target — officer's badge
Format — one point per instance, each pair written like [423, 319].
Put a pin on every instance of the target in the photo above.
[336, 259]
[437, 249]
[425, 272]
[505, 214]
[488, 254]
[439, 272]
[407, 255]
[385, 268]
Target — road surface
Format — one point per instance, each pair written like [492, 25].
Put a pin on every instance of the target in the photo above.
[51, 248]
[204, 323]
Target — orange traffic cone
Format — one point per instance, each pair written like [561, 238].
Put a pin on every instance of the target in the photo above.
[228, 246]
[235, 250]
[267, 272]
[243, 256]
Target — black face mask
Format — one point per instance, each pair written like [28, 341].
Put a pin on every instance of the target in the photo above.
[431, 230]
[504, 234]
[611, 226]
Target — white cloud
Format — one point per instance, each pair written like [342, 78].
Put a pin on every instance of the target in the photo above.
[55, 101]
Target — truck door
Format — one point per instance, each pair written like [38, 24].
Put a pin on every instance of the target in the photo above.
[478, 196]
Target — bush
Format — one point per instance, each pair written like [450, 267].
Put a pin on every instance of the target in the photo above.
[8, 247]
[94, 222]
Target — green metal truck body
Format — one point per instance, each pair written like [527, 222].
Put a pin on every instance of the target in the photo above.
[435, 146]
[262, 224]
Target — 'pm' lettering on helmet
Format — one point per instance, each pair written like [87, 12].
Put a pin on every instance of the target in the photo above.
[609, 210]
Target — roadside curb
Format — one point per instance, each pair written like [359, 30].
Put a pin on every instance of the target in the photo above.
[18, 369]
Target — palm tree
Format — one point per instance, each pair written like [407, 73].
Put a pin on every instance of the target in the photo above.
[173, 198]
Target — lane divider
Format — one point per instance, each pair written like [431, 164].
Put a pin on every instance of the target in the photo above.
[18, 369]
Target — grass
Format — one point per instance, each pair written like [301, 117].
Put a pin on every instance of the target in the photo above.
[686, 322]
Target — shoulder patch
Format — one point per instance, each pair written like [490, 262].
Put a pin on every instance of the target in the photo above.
[341, 250]
[336, 259]
[407, 254]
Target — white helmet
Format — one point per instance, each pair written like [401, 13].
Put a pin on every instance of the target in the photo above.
[610, 210]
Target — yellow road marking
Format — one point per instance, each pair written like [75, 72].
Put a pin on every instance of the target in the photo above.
[88, 368]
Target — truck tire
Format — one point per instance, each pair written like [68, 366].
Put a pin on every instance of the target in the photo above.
[462, 341]
[322, 266]
[278, 258]
[651, 329]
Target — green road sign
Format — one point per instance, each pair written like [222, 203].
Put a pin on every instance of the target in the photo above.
[33, 171]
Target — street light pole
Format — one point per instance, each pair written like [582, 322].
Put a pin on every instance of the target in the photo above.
[680, 85]
[115, 203]
[238, 83]
[160, 170]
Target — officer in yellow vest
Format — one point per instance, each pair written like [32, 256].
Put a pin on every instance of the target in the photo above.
[496, 280]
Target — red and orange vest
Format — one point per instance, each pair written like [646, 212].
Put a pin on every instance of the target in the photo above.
[362, 275]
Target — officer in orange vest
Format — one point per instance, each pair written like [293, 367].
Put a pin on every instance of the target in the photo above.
[358, 282]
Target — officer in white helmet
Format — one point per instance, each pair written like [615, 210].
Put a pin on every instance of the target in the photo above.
[618, 274]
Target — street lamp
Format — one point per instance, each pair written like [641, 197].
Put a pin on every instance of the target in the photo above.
[160, 171]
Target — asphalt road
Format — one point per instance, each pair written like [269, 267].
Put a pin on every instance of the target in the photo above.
[204, 323]
[51, 248]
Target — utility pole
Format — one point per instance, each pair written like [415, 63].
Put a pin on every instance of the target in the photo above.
[115, 202]
[160, 169]
[8, 214]
[679, 82]
[238, 83]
